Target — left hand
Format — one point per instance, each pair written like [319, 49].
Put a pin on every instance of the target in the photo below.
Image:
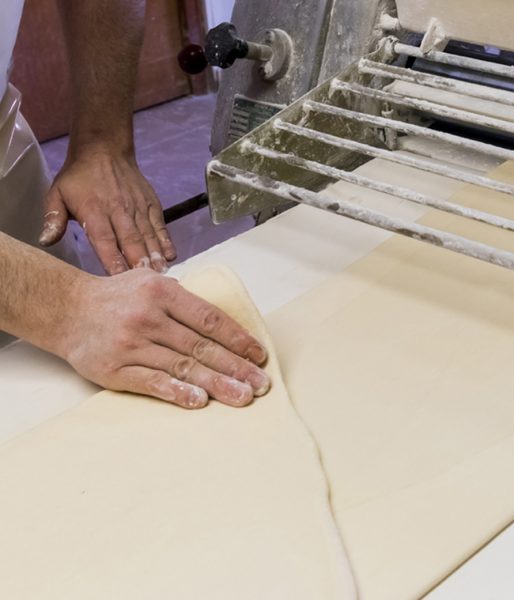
[116, 206]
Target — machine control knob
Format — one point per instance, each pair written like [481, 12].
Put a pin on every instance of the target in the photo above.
[192, 59]
[224, 47]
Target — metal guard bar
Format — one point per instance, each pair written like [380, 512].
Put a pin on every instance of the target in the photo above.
[389, 155]
[355, 212]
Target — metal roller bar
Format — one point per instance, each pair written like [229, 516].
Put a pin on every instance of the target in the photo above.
[378, 186]
[355, 212]
[395, 157]
[410, 129]
[435, 81]
[425, 106]
[455, 60]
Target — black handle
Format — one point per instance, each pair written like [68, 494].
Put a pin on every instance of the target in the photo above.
[224, 46]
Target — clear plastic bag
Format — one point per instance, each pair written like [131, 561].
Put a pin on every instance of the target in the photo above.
[24, 182]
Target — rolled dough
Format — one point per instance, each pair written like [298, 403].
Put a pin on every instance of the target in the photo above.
[129, 498]
[400, 367]
[415, 419]
[464, 20]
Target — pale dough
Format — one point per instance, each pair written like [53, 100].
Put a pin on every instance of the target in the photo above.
[129, 498]
[415, 419]
[465, 20]
[401, 369]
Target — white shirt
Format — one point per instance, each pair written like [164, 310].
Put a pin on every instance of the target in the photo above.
[10, 15]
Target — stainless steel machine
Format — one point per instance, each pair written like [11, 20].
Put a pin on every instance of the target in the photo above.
[416, 83]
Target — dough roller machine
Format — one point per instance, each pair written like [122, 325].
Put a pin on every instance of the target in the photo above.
[429, 85]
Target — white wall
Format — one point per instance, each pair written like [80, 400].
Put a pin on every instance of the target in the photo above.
[218, 11]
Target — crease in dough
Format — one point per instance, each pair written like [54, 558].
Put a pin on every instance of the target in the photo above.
[415, 421]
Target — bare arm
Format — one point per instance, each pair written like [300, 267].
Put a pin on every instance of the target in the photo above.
[36, 294]
[104, 42]
[100, 184]
[138, 331]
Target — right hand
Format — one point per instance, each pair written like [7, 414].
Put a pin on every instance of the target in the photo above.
[144, 333]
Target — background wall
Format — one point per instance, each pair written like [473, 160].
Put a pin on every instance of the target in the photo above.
[218, 11]
[40, 60]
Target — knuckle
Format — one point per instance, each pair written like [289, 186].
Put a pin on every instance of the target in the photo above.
[118, 202]
[211, 321]
[241, 340]
[171, 289]
[139, 319]
[155, 382]
[126, 342]
[103, 237]
[132, 237]
[164, 237]
[184, 367]
[110, 367]
[123, 212]
[154, 286]
[203, 349]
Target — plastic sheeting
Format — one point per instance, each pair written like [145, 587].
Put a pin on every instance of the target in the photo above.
[24, 182]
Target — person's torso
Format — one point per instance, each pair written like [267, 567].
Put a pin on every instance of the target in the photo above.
[10, 15]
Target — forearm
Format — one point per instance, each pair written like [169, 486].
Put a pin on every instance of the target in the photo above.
[37, 293]
[104, 40]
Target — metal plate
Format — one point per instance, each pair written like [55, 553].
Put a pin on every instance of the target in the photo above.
[247, 115]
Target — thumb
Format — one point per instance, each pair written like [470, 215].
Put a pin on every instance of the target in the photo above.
[55, 220]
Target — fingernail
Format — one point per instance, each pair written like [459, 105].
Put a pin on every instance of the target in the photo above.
[260, 383]
[240, 393]
[257, 354]
[47, 234]
[158, 262]
[144, 263]
[198, 398]
[195, 397]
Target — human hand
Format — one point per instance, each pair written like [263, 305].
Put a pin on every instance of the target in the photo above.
[117, 208]
[144, 333]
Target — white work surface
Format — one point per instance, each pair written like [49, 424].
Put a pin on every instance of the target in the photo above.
[278, 262]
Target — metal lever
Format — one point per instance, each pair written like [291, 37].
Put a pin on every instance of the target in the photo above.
[224, 47]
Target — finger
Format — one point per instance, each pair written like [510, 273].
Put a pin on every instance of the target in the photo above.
[130, 240]
[55, 219]
[185, 368]
[103, 240]
[213, 323]
[149, 382]
[156, 218]
[153, 246]
[177, 337]
[157, 221]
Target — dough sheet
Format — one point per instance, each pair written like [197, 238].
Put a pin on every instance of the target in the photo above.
[402, 369]
[129, 498]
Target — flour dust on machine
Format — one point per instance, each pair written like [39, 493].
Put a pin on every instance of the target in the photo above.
[311, 90]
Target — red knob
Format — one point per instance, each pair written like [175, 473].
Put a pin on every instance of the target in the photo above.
[192, 59]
